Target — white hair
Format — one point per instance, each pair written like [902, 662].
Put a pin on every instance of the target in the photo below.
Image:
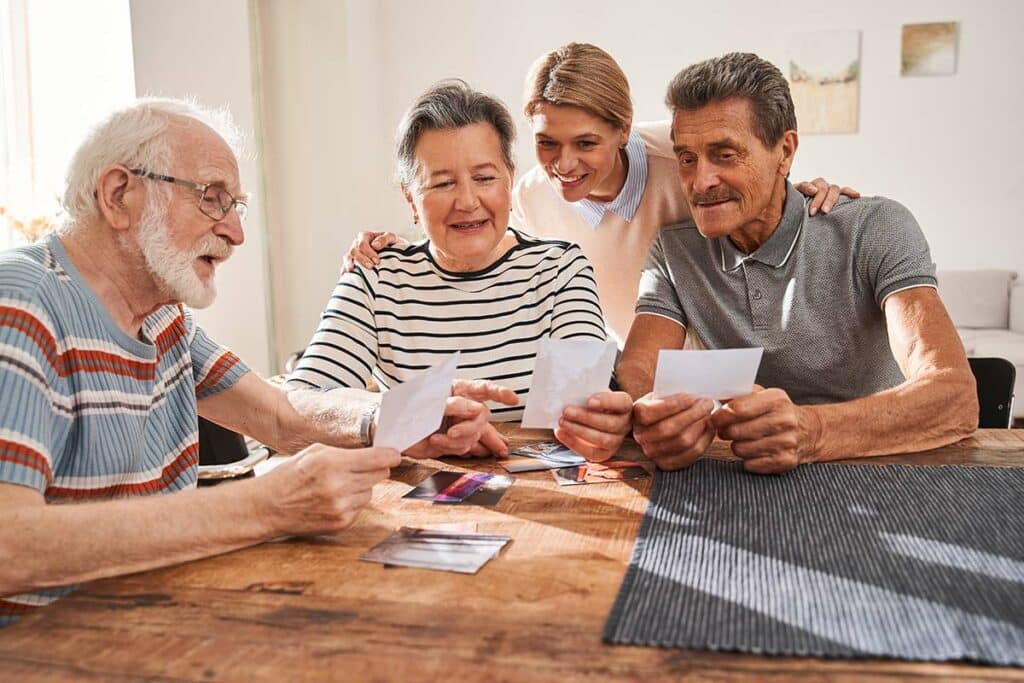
[136, 136]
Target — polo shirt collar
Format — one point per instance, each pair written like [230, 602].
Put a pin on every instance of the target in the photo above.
[775, 252]
[628, 199]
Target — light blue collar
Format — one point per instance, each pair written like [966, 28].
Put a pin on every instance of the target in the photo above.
[628, 199]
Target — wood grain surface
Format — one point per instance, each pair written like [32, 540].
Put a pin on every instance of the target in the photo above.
[308, 609]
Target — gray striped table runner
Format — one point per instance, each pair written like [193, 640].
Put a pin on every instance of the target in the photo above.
[923, 563]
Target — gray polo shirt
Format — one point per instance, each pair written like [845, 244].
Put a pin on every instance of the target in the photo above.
[811, 295]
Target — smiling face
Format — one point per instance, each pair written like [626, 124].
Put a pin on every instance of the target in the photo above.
[463, 194]
[580, 153]
[181, 246]
[734, 184]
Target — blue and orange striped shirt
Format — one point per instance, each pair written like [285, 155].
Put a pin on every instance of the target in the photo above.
[86, 411]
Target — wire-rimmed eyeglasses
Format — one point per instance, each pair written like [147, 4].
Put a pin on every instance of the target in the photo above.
[215, 202]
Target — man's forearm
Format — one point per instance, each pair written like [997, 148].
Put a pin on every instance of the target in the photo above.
[288, 421]
[635, 379]
[45, 546]
[648, 336]
[925, 413]
[331, 417]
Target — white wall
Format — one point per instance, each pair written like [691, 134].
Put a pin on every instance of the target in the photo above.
[322, 149]
[203, 49]
[950, 148]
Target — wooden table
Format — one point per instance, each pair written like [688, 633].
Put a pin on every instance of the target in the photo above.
[308, 609]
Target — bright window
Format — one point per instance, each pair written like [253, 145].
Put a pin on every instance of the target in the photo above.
[63, 64]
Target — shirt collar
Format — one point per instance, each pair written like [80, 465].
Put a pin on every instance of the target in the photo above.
[628, 199]
[775, 252]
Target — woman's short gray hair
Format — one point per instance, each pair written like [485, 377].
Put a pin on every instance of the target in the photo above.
[447, 105]
[135, 136]
[738, 74]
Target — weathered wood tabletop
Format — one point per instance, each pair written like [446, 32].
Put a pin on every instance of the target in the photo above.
[309, 609]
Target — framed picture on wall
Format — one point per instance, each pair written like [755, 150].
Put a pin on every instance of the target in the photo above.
[929, 49]
[824, 79]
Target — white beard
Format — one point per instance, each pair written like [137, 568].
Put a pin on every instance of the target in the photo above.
[173, 269]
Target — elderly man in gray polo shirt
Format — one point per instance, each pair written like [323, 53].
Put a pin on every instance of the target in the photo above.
[860, 355]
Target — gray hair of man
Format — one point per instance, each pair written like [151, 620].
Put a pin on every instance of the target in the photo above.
[447, 105]
[137, 137]
[738, 74]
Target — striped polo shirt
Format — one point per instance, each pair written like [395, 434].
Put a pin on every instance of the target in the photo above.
[87, 412]
[409, 313]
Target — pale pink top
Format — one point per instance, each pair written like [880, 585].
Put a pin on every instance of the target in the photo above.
[616, 248]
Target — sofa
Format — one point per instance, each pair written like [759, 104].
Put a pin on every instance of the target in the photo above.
[987, 307]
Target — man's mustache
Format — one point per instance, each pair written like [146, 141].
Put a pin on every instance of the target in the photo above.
[712, 197]
[214, 246]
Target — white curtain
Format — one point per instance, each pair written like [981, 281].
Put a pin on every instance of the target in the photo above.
[16, 160]
[63, 65]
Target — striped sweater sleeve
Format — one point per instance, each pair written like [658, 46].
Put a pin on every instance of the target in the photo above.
[343, 351]
[214, 368]
[577, 310]
[29, 403]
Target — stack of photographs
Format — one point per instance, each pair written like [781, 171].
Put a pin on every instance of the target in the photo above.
[544, 455]
[464, 553]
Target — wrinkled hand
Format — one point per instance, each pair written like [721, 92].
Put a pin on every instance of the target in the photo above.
[365, 247]
[466, 431]
[673, 431]
[482, 390]
[767, 430]
[492, 442]
[823, 195]
[322, 489]
[596, 430]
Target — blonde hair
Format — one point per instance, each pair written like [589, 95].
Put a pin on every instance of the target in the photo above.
[581, 75]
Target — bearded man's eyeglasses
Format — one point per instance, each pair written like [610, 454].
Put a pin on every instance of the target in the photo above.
[214, 202]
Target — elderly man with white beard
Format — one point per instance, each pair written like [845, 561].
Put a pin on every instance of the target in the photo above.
[103, 371]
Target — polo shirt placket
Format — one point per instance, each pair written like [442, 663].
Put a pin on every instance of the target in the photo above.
[759, 289]
[763, 272]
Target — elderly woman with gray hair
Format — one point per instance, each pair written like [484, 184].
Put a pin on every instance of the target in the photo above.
[475, 285]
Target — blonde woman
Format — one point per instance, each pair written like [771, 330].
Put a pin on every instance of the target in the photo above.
[600, 181]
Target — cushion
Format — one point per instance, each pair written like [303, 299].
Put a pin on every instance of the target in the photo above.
[999, 343]
[977, 298]
[1017, 307]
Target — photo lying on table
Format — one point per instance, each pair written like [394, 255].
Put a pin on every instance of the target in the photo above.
[542, 455]
[470, 488]
[599, 473]
[446, 551]
[490, 492]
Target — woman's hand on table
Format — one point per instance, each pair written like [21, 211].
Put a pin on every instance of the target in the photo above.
[596, 430]
[465, 423]
[466, 430]
[491, 442]
[365, 247]
[823, 195]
